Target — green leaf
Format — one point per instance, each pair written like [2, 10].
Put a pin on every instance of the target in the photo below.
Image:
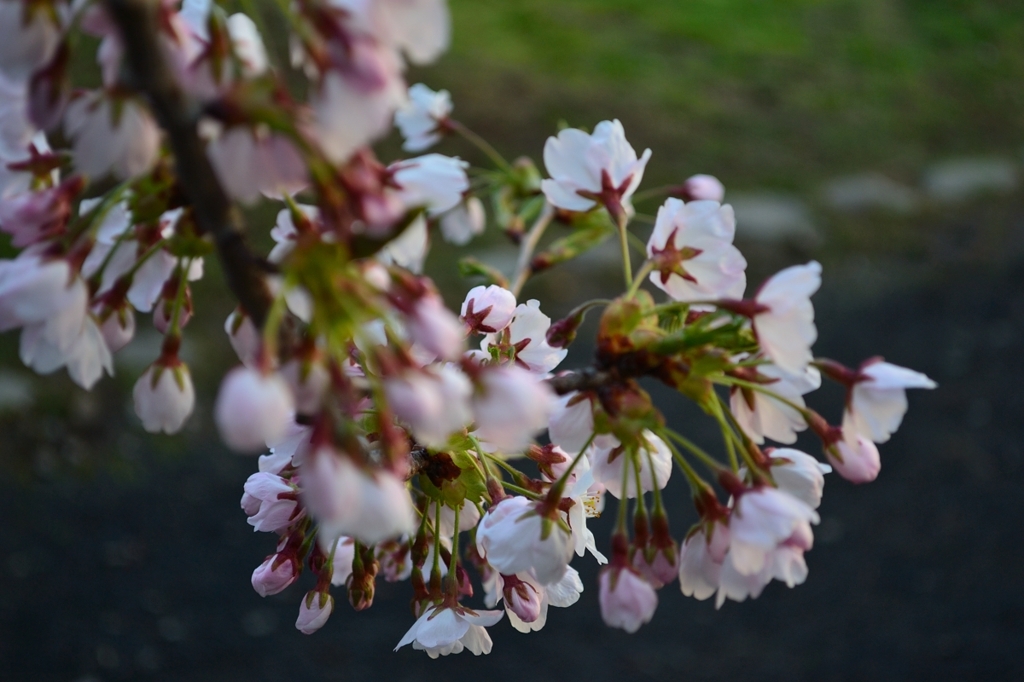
[471, 267]
[572, 245]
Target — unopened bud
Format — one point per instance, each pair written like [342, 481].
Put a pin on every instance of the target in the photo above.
[522, 599]
[275, 574]
[315, 609]
[701, 187]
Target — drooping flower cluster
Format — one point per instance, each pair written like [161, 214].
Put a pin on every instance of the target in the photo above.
[393, 444]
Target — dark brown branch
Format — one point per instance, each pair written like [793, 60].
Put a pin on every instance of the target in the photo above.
[213, 210]
[584, 379]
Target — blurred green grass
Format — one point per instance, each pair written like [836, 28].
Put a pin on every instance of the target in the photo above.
[763, 93]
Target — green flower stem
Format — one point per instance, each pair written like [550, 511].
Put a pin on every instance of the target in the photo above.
[558, 488]
[453, 581]
[697, 484]
[528, 246]
[620, 525]
[709, 461]
[627, 266]
[179, 298]
[480, 143]
[522, 491]
[639, 278]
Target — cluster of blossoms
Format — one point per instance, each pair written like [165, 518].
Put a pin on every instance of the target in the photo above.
[392, 443]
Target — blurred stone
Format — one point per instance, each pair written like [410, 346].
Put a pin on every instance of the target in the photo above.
[870, 191]
[771, 217]
[958, 180]
[15, 391]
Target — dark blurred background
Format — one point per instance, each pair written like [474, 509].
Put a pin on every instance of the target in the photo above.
[882, 137]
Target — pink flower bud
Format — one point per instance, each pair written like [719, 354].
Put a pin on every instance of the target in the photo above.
[253, 409]
[275, 574]
[861, 462]
[661, 570]
[163, 313]
[119, 328]
[436, 328]
[164, 397]
[487, 310]
[522, 599]
[315, 609]
[627, 600]
[703, 187]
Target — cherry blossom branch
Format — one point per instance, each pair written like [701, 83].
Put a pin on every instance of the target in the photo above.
[585, 379]
[214, 213]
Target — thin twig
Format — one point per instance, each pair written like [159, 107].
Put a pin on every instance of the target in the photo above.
[528, 246]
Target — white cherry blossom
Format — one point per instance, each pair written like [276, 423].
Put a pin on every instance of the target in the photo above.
[433, 181]
[85, 354]
[409, 249]
[29, 37]
[254, 161]
[441, 631]
[583, 167]
[762, 520]
[422, 117]
[528, 334]
[354, 107]
[785, 328]
[700, 561]
[16, 131]
[878, 399]
[274, 500]
[511, 537]
[692, 247]
[510, 406]
[118, 329]
[799, 474]
[421, 29]
[435, 328]
[433, 401]
[346, 500]
[465, 221]
[608, 458]
[572, 422]
[111, 137]
[762, 416]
